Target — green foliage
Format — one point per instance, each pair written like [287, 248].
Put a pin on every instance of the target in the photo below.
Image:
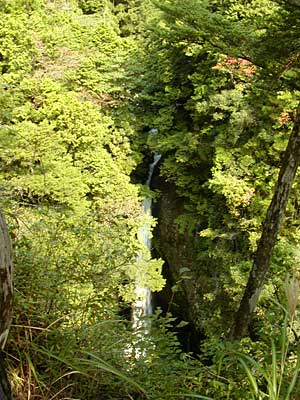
[92, 6]
[221, 92]
[275, 377]
[18, 50]
[66, 161]
[8, 6]
[81, 83]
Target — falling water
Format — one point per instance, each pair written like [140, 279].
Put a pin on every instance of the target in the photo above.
[142, 307]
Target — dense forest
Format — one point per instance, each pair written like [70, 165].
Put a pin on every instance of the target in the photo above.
[91, 91]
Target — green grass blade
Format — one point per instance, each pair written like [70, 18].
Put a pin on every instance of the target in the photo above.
[61, 391]
[251, 377]
[35, 374]
[294, 380]
[194, 396]
[65, 375]
[242, 356]
[220, 362]
[105, 366]
[284, 348]
[96, 362]
[273, 382]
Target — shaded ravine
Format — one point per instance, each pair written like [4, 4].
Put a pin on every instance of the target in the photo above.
[178, 250]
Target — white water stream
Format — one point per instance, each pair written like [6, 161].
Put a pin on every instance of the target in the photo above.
[142, 307]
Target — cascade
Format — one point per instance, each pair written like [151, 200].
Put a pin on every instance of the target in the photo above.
[142, 307]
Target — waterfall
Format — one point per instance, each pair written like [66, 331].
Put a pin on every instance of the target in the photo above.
[142, 307]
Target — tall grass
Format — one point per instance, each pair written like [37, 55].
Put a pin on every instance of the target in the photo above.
[276, 378]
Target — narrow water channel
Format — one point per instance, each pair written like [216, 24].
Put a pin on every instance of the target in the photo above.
[142, 307]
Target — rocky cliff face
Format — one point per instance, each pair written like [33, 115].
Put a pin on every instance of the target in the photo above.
[182, 295]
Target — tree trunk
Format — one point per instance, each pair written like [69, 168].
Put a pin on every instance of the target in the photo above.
[6, 289]
[6, 296]
[269, 234]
